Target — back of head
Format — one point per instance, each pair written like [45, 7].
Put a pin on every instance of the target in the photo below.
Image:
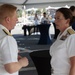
[72, 8]
[35, 14]
[44, 13]
[6, 10]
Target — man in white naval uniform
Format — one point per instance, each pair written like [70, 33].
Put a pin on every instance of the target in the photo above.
[63, 49]
[10, 63]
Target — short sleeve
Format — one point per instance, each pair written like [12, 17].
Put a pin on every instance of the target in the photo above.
[9, 50]
[71, 45]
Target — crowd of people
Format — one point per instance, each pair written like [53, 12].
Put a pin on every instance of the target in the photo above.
[44, 20]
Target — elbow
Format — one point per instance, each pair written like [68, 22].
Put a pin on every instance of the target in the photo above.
[10, 68]
[10, 71]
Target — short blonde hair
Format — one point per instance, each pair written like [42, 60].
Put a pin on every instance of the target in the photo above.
[6, 10]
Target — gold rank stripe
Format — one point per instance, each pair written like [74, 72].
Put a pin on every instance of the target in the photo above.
[8, 33]
[71, 31]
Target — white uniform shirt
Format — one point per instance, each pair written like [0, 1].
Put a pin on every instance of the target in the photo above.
[45, 20]
[8, 51]
[61, 51]
[36, 21]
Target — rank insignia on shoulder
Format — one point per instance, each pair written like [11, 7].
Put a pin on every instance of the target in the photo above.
[63, 37]
[71, 31]
[6, 32]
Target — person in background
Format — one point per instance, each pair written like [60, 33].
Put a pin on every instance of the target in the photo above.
[36, 19]
[72, 8]
[37, 22]
[62, 50]
[10, 62]
[45, 19]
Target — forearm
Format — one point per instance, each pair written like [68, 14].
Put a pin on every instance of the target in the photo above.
[72, 71]
[16, 66]
[72, 63]
[13, 67]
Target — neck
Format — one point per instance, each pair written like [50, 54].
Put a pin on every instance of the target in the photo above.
[5, 25]
[62, 30]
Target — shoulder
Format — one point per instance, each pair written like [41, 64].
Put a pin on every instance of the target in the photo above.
[6, 32]
[71, 31]
[71, 39]
[9, 39]
[2, 34]
[6, 35]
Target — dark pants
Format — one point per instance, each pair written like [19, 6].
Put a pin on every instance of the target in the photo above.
[41, 60]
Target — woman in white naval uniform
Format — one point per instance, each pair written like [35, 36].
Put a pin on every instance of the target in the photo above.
[10, 63]
[63, 49]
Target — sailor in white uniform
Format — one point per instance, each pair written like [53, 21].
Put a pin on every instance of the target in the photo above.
[45, 19]
[10, 62]
[63, 49]
[8, 50]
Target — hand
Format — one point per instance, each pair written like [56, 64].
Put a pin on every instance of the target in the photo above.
[18, 51]
[24, 62]
[19, 57]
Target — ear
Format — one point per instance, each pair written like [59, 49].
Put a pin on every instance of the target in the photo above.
[68, 21]
[7, 19]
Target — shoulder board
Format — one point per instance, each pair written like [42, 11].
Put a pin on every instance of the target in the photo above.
[6, 32]
[71, 31]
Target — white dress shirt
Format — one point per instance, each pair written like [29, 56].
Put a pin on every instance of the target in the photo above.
[8, 51]
[61, 50]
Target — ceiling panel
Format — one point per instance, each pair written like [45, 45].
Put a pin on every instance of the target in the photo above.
[46, 1]
[39, 3]
[12, 1]
[44, 4]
